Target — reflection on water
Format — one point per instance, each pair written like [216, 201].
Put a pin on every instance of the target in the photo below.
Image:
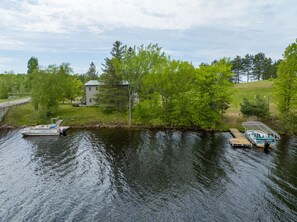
[143, 175]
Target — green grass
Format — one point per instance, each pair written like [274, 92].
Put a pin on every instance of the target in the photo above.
[250, 90]
[80, 116]
[233, 116]
[72, 116]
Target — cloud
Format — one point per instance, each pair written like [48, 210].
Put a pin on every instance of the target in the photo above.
[62, 16]
[82, 31]
[11, 44]
[6, 63]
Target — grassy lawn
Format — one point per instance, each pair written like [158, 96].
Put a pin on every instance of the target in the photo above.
[233, 117]
[72, 116]
[80, 116]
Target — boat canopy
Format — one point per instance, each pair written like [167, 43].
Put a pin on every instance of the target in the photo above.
[256, 125]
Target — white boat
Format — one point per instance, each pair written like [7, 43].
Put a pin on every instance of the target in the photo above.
[46, 130]
[260, 135]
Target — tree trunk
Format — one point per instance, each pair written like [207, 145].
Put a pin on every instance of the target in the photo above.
[130, 109]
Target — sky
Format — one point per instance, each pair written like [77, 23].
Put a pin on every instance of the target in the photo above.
[83, 31]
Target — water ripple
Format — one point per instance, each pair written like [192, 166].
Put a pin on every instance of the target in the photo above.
[143, 175]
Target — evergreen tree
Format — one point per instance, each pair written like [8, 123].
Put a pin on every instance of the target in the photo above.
[261, 67]
[237, 68]
[258, 108]
[113, 93]
[248, 66]
[91, 73]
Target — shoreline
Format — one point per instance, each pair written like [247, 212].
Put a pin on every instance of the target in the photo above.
[104, 126]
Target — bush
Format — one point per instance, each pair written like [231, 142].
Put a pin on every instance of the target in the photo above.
[258, 107]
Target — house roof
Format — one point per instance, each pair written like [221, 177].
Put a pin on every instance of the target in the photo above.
[92, 83]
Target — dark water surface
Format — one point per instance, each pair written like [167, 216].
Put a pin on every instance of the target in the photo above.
[142, 175]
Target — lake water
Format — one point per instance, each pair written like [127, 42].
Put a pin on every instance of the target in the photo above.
[143, 175]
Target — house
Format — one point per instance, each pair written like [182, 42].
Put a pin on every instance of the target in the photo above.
[91, 90]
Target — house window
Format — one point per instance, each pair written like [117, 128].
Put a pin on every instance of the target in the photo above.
[96, 88]
[90, 88]
[90, 100]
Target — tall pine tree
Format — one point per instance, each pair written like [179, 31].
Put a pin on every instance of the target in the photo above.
[113, 93]
[91, 73]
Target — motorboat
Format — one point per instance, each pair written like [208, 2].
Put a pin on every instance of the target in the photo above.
[46, 130]
[260, 135]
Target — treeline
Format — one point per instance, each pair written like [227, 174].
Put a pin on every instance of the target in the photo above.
[52, 85]
[163, 91]
[254, 68]
[155, 89]
[13, 85]
[285, 93]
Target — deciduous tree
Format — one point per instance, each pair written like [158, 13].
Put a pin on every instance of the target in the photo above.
[286, 85]
[136, 63]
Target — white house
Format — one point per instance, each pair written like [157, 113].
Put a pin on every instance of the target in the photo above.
[91, 88]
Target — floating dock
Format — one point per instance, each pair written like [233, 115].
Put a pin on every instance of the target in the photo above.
[239, 140]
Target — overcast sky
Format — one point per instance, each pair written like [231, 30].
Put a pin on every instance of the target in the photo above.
[82, 31]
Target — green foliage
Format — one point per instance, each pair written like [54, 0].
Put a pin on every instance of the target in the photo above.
[177, 94]
[73, 88]
[13, 85]
[286, 85]
[72, 116]
[254, 67]
[91, 73]
[32, 65]
[113, 98]
[135, 65]
[258, 107]
[113, 93]
[171, 81]
[213, 92]
[52, 85]
[237, 68]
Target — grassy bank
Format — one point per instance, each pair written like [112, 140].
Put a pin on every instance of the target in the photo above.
[90, 116]
[72, 116]
[233, 116]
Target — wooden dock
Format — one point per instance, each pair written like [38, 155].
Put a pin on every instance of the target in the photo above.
[239, 140]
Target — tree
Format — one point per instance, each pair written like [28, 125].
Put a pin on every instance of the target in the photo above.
[113, 94]
[32, 65]
[237, 68]
[109, 75]
[91, 73]
[74, 88]
[274, 68]
[258, 108]
[213, 92]
[171, 81]
[50, 86]
[135, 64]
[286, 84]
[248, 66]
[261, 67]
